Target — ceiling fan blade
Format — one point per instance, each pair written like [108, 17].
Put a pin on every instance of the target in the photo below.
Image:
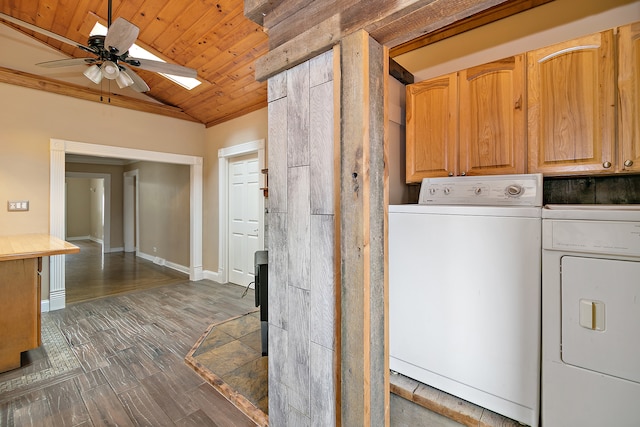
[162, 67]
[139, 85]
[67, 62]
[120, 36]
[43, 32]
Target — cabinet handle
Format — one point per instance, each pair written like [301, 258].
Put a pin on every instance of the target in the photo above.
[463, 174]
[628, 162]
[606, 165]
[518, 103]
[450, 173]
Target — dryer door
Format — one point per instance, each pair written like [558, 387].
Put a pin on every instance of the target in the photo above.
[601, 315]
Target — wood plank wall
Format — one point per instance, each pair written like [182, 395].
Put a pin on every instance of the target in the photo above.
[363, 192]
[301, 222]
[327, 222]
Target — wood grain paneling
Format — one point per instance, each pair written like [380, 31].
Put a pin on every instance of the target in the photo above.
[298, 115]
[571, 106]
[302, 246]
[629, 96]
[321, 148]
[299, 30]
[298, 227]
[364, 379]
[213, 37]
[492, 117]
[432, 128]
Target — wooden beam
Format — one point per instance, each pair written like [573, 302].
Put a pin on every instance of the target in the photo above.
[32, 81]
[493, 14]
[364, 371]
[389, 23]
[413, 22]
[400, 73]
[307, 45]
[256, 10]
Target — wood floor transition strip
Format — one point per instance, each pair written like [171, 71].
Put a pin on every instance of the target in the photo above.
[232, 395]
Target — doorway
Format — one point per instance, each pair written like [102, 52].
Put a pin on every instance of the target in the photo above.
[244, 217]
[99, 200]
[247, 160]
[58, 150]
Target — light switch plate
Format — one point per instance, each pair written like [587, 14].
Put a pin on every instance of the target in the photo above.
[18, 205]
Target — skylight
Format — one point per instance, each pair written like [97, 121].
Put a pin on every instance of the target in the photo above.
[139, 52]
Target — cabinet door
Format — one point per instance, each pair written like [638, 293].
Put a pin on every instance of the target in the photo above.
[432, 128]
[492, 121]
[571, 106]
[629, 95]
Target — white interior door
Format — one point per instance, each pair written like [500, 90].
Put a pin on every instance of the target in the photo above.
[244, 217]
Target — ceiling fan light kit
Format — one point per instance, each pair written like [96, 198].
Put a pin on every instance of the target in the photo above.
[94, 74]
[123, 80]
[112, 54]
[110, 70]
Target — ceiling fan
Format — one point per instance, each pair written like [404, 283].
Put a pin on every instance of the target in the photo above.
[111, 54]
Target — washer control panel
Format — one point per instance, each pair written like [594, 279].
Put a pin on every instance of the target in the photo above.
[495, 190]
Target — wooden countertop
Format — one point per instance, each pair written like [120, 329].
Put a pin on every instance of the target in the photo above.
[23, 246]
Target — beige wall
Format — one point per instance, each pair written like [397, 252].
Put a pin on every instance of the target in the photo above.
[251, 127]
[30, 118]
[78, 207]
[164, 203]
[115, 171]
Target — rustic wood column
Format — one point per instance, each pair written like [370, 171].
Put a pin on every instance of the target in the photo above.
[364, 367]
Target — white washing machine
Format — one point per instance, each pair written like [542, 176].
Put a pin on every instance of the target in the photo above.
[464, 290]
[591, 316]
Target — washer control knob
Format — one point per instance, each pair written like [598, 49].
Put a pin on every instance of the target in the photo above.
[478, 191]
[447, 191]
[514, 190]
[432, 191]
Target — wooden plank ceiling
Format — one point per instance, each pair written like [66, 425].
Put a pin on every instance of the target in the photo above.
[214, 37]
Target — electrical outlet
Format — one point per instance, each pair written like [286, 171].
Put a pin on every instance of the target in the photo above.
[17, 205]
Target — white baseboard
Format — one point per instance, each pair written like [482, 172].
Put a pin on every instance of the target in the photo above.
[96, 240]
[71, 239]
[212, 275]
[116, 250]
[161, 261]
[44, 306]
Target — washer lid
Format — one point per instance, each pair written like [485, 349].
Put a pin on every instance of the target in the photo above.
[593, 212]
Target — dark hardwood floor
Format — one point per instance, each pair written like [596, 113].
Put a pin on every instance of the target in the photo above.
[119, 360]
[91, 274]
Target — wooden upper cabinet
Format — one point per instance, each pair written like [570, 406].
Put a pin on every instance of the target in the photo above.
[492, 118]
[629, 98]
[571, 106]
[432, 128]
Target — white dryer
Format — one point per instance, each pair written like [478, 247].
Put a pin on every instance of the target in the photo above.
[590, 315]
